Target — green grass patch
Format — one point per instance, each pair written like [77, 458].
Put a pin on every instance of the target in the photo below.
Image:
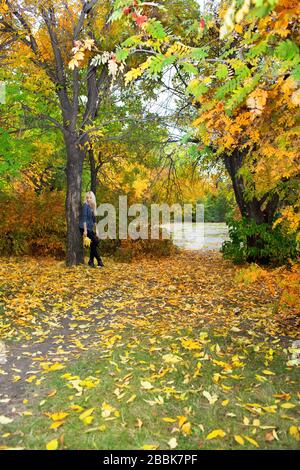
[146, 388]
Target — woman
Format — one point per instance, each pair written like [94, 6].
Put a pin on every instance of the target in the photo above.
[87, 226]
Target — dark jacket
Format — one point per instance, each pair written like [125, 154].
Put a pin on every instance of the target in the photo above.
[87, 216]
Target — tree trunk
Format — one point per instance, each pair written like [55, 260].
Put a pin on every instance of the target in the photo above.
[93, 171]
[73, 201]
[250, 209]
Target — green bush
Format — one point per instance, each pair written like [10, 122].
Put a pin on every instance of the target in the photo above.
[259, 243]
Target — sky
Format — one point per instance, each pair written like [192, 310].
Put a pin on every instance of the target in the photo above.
[166, 102]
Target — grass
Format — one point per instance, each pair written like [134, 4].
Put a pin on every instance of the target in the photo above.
[256, 395]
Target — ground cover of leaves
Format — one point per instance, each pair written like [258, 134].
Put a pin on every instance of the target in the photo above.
[156, 354]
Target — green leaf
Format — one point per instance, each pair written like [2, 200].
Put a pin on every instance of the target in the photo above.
[199, 53]
[156, 63]
[259, 49]
[169, 60]
[296, 72]
[222, 71]
[287, 50]
[196, 88]
[122, 54]
[132, 41]
[116, 15]
[155, 29]
[189, 68]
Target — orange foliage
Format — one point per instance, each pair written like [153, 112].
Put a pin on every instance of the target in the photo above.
[34, 224]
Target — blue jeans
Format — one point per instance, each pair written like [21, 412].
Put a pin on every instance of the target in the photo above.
[93, 247]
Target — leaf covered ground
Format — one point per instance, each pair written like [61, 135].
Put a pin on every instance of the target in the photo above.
[158, 354]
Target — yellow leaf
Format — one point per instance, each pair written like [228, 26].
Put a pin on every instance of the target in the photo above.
[270, 409]
[181, 420]
[77, 408]
[87, 420]
[252, 441]
[288, 405]
[107, 409]
[225, 402]
[186, 428]
[169, 420]
[86, 242]
[246, 421]
[268, 372]
[52, 445]
[239, 439]
[294, 432]
[171, 358]
[58, 416]
[56, 424]
[86, 413]
[149, 447]
[131, 399]
[31, 379]
[216, 433]
[190, 344]
[51, 367]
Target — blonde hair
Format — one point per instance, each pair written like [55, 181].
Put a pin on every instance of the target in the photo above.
[92, 195]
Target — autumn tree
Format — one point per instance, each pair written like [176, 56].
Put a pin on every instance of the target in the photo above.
[39, 35]
[241, 73]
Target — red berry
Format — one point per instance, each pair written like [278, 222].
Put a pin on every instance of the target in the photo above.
[126, 10]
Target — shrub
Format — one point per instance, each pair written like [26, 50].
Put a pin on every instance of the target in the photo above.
[135, 249]
[259, 243]
[33, 224]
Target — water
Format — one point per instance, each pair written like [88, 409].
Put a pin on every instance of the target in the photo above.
[206, 236]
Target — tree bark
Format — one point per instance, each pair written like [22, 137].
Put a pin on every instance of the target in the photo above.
[250, 209]
[75, 159]
[93, 171]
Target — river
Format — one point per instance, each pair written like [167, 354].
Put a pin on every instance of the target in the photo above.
[203, 236]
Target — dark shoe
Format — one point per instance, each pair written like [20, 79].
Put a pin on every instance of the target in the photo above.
[100, 264]
[91, 264]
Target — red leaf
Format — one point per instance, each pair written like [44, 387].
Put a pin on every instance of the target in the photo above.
[141, 20]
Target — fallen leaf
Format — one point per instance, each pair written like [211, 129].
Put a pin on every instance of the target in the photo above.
[52, 445]
[216, 433]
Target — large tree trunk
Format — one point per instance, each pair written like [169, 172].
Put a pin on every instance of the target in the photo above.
[255, 209]
[73, 201]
